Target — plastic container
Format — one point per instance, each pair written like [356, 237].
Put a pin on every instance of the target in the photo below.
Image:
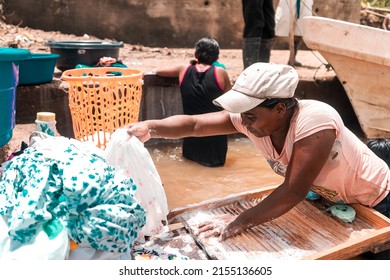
[9, 78]
[101, 100]
[46, 123]
[37, 69]
[82, 52]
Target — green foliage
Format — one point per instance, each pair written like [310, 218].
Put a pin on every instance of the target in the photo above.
[377, 3]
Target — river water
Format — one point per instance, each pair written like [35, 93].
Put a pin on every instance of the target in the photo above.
[187, 182]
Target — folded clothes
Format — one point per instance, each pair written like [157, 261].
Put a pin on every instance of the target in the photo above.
[104, 62]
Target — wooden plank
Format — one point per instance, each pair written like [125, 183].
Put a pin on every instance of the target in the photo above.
[213, 203]
[308, 231]
[353, 247]
[376, 14]
[371, 216]
[383, 10]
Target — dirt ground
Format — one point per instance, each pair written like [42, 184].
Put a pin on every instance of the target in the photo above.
[149, 59]
[145, 59]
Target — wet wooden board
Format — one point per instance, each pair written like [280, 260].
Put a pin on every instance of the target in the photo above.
[308, 231]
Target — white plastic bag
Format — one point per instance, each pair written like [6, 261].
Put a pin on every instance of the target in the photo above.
[129, 156]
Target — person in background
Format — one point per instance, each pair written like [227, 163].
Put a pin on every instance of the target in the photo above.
[306, 141]
[259, 31]
[283, 14]
[381, 147]
[386, 22]
[201, 82]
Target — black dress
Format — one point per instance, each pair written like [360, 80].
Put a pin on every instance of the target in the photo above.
[198, 90]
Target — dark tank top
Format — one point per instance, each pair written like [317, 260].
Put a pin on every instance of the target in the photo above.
[198, 90]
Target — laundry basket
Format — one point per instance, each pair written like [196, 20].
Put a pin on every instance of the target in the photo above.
[101, 100]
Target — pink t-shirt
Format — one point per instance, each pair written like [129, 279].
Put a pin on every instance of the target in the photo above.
[352, 174]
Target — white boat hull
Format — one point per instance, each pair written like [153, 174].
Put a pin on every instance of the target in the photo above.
[360, 57]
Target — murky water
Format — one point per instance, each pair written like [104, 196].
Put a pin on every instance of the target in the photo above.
[187, 182]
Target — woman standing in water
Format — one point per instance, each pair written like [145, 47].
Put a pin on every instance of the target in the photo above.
[200, 83]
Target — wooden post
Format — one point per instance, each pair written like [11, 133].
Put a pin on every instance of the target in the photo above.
[291, 33]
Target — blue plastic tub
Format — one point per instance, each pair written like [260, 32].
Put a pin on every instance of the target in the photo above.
[9, 78]
[38, 69]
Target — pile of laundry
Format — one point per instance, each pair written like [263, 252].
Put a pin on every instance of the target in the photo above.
[65, 199]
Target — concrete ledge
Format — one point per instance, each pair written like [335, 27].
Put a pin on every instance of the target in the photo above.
[50, 97]
[154, 80]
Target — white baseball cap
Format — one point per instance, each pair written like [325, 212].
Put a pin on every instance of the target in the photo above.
[259, 82]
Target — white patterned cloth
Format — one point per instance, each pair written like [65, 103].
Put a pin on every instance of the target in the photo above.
[129, 156]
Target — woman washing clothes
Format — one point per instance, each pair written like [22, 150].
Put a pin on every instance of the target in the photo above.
[306, 141]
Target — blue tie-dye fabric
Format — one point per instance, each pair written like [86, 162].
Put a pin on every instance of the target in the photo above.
[81, 192]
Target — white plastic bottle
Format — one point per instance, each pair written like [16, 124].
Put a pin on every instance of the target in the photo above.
[46, 123]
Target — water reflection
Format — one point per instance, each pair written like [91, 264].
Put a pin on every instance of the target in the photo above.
[187, 182]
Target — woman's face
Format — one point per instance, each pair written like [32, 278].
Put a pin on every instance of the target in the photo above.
[261, 121]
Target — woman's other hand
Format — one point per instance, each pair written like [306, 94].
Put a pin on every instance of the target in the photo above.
[140, 130]
[223, 226]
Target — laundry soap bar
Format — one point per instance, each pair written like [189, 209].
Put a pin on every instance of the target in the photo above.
[344, 212]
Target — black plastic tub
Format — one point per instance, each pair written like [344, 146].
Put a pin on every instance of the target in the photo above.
[82, 52]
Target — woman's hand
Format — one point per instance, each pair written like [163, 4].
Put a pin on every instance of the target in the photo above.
[231, 229]
[223, 226]
[140, 130]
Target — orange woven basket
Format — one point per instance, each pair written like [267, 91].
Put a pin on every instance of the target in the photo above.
[101, 100]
